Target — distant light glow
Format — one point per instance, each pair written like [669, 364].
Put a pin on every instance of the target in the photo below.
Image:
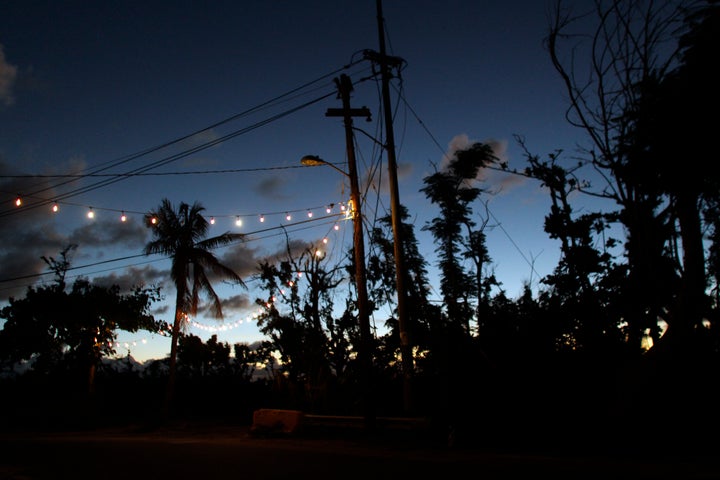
[123, 217]
[55, 207]
[90, 213]
[238, 221]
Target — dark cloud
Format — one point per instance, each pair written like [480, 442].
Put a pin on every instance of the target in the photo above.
[272, 186]
[105, 232]
[131, 277]
[237, 303]
[8, 74]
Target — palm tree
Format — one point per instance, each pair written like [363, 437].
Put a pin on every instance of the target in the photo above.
[180, 234]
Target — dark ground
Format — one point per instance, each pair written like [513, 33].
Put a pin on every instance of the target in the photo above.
[208, 451]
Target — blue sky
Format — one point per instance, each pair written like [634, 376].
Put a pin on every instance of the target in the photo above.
[229, 96]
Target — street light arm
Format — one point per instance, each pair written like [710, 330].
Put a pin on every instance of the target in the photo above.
[370, 136]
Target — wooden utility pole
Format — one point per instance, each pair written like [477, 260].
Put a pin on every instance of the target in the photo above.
[364, 351]
[405, 345]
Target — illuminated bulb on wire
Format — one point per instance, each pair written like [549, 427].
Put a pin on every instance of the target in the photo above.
[336, 227]
[123, 217]
[288, 217]
[90, 213]
[238, 222]
[325, 240]
[328, 209]
[262, 218]
[212, 220]
[18, 201]
[309, 214]
[55, 207]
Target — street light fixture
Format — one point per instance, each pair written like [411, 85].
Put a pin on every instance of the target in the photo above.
[315, 161]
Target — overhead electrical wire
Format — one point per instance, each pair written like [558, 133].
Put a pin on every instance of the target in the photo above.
[144, 169]
[159, 163]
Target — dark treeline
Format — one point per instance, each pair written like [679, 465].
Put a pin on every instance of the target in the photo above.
[618, 348]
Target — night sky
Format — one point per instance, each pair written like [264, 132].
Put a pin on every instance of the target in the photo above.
[116, 105]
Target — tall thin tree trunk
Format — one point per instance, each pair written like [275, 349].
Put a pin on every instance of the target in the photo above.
[170, 388]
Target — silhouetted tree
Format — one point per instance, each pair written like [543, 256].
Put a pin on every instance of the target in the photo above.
[634, 46]
[181, 234]
[453, 192]
[452, 348]
[421, 312]
[66, 332]
[666, 116]
[315, 348]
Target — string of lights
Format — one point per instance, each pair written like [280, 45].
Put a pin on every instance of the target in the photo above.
[91, 211]
[219, 328]
[249, 236]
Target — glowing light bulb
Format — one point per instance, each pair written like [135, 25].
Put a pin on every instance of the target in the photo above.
[288, 217]
[90, 213]
[55, 207]
[318, 253]
[212, 220]
[18, 201]
[328, 209]
[336, 227]
[153, 220]
[238, 222]
[310, 214]
[325, 240]
[262, 218]
[123, 217]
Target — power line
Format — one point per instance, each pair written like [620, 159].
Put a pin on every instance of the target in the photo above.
[165, 160]
[142, 170]
[148, 174]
